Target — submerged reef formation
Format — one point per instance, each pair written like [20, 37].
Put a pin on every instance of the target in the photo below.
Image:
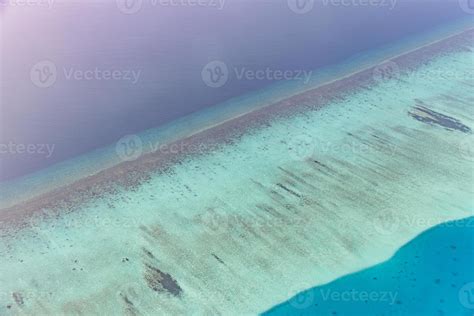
[131, 174]
[329, 182]
[423, 114]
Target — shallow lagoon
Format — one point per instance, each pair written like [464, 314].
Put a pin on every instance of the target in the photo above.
[431, 275]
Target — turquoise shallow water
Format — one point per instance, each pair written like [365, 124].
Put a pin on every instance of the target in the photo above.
[431, 275]
[328, 192]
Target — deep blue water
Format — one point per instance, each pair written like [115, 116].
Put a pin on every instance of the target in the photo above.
[170, 46]
[431, 275]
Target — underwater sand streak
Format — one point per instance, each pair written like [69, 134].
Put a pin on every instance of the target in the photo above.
[132, 174]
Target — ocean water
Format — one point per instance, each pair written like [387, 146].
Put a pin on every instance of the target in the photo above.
[328, 193]
[431, 275]
[169, 46]
[102, 158]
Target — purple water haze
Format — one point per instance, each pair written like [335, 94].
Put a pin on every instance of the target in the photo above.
[169, 45]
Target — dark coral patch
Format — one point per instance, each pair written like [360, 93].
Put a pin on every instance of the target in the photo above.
[159, 281]
[428, 116]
